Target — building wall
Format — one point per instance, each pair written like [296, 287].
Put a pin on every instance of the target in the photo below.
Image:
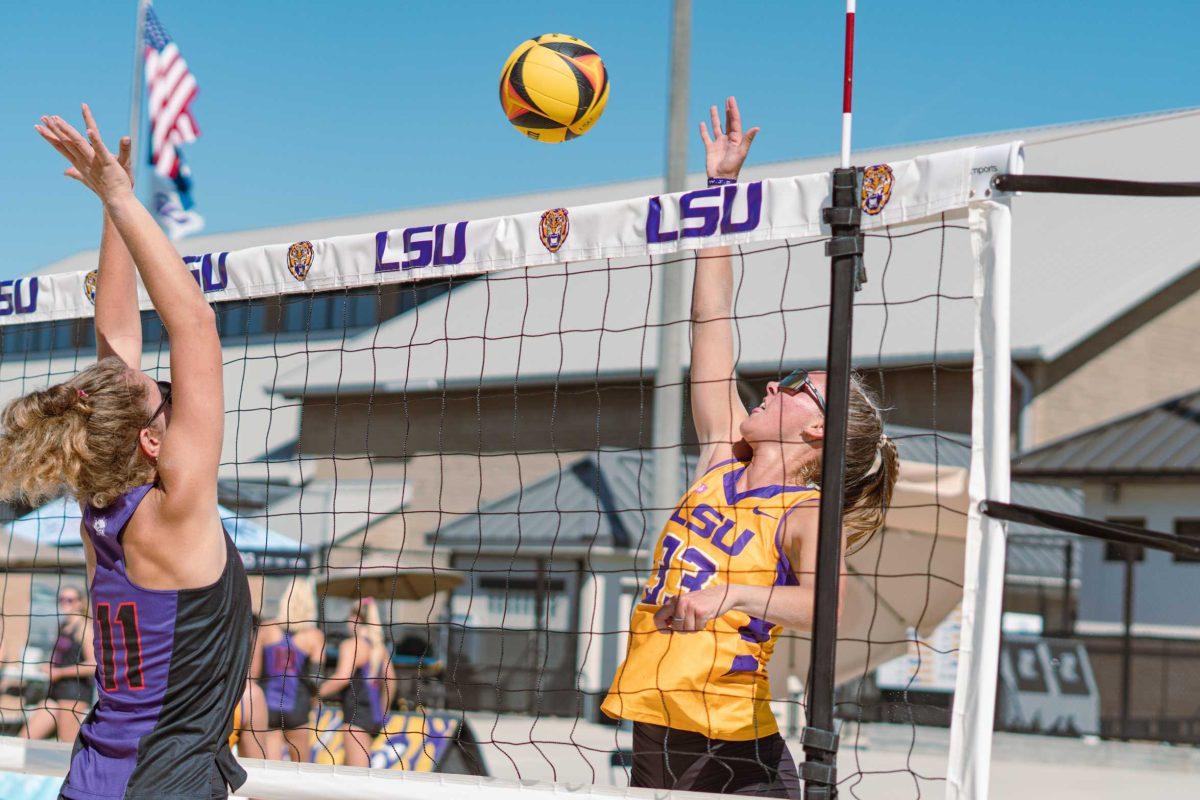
[1163, 593]
[576, 417]
[1146, 356]
[533, 419]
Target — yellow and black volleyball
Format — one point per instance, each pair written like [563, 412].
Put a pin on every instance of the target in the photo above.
[553, 88]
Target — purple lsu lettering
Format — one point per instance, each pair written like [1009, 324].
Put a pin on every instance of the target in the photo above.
[18, 296]
[421, 248]
[707, 522]
[206, 279]
[700, 216]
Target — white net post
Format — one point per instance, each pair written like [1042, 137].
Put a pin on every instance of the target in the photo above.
[983, 585]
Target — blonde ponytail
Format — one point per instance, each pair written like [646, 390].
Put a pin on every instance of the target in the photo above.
[865, 515]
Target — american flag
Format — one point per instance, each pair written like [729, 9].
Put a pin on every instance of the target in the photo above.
[171, 87]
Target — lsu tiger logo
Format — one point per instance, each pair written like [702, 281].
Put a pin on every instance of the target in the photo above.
[89, 285]
[553, 228]
[300, 260]
[876, 188]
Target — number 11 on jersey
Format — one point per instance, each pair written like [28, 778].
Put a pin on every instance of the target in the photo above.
[130, 642]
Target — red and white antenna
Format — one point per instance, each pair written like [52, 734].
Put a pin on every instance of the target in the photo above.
[848, 83]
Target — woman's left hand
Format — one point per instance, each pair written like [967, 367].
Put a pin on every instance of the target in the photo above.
[91, 162]
[691, 611]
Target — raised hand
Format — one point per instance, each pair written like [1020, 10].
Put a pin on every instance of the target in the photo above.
[92, 164]
[725, 151]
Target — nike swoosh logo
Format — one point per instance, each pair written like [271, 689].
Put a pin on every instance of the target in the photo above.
[760, 512]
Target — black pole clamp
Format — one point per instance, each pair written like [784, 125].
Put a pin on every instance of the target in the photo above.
[817, 739]
[820, 778]
[844, 217]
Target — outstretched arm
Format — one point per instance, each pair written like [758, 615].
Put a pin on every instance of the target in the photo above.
[118, 321]
[191, 450]
[716, 407]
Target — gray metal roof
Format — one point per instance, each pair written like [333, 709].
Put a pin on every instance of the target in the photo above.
[1161, 440]
[944, 448]
[604, 499]
[578, 321]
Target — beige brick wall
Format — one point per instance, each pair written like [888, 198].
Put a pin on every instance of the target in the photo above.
[1149, 355]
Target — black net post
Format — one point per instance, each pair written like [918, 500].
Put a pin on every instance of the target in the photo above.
[845, 250]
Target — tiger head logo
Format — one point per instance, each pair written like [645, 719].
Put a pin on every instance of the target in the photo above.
[553, 228]
[876, 188]
[89, 285]
[300, 260]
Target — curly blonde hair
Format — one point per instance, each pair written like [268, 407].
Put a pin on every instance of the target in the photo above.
[79, 437]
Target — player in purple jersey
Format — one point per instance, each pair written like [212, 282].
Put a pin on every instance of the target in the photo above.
[362, 680]
[288, 653]
[170, 601]
[72, 674]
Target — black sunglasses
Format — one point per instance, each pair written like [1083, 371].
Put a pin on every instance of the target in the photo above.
[164, 388]
[800, 380]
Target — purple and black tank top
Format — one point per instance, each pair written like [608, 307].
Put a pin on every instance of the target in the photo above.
[285, 678]
[362, 701]
[171, 668]
[68, 649]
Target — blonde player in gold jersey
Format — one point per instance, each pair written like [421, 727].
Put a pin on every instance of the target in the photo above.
[734, 564]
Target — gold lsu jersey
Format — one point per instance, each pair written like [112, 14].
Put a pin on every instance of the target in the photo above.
[713, 682]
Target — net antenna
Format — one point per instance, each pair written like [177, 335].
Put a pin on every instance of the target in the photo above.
[847, 274]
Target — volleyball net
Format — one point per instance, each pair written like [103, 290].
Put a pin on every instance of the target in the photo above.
[454, 419]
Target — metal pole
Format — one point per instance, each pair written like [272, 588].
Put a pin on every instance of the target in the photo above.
[845, 248]
[1127, 640]
[666, 436]
[820, 745]
[135, 89]
[1068, 624]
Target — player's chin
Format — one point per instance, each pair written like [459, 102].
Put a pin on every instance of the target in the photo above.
[759, 427]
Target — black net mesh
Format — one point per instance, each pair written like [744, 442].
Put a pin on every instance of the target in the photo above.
[475, 456]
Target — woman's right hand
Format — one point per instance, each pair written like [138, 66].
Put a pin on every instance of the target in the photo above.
[726, 151]
[92, 164]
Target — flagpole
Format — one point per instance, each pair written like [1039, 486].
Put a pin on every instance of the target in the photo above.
[135, 89]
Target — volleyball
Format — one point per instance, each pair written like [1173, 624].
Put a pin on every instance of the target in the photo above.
[553, 88]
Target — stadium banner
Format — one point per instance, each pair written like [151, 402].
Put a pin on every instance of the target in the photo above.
[757, 211]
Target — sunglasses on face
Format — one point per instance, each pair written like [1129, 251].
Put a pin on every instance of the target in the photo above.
[164, 388]
[800, 381]
[68, 599]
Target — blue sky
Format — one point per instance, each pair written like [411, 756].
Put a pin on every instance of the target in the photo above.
[312, 110]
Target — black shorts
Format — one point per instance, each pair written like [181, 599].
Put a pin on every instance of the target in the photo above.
[290, 719]
[359, 715]
[72, 689]
[667, 758]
